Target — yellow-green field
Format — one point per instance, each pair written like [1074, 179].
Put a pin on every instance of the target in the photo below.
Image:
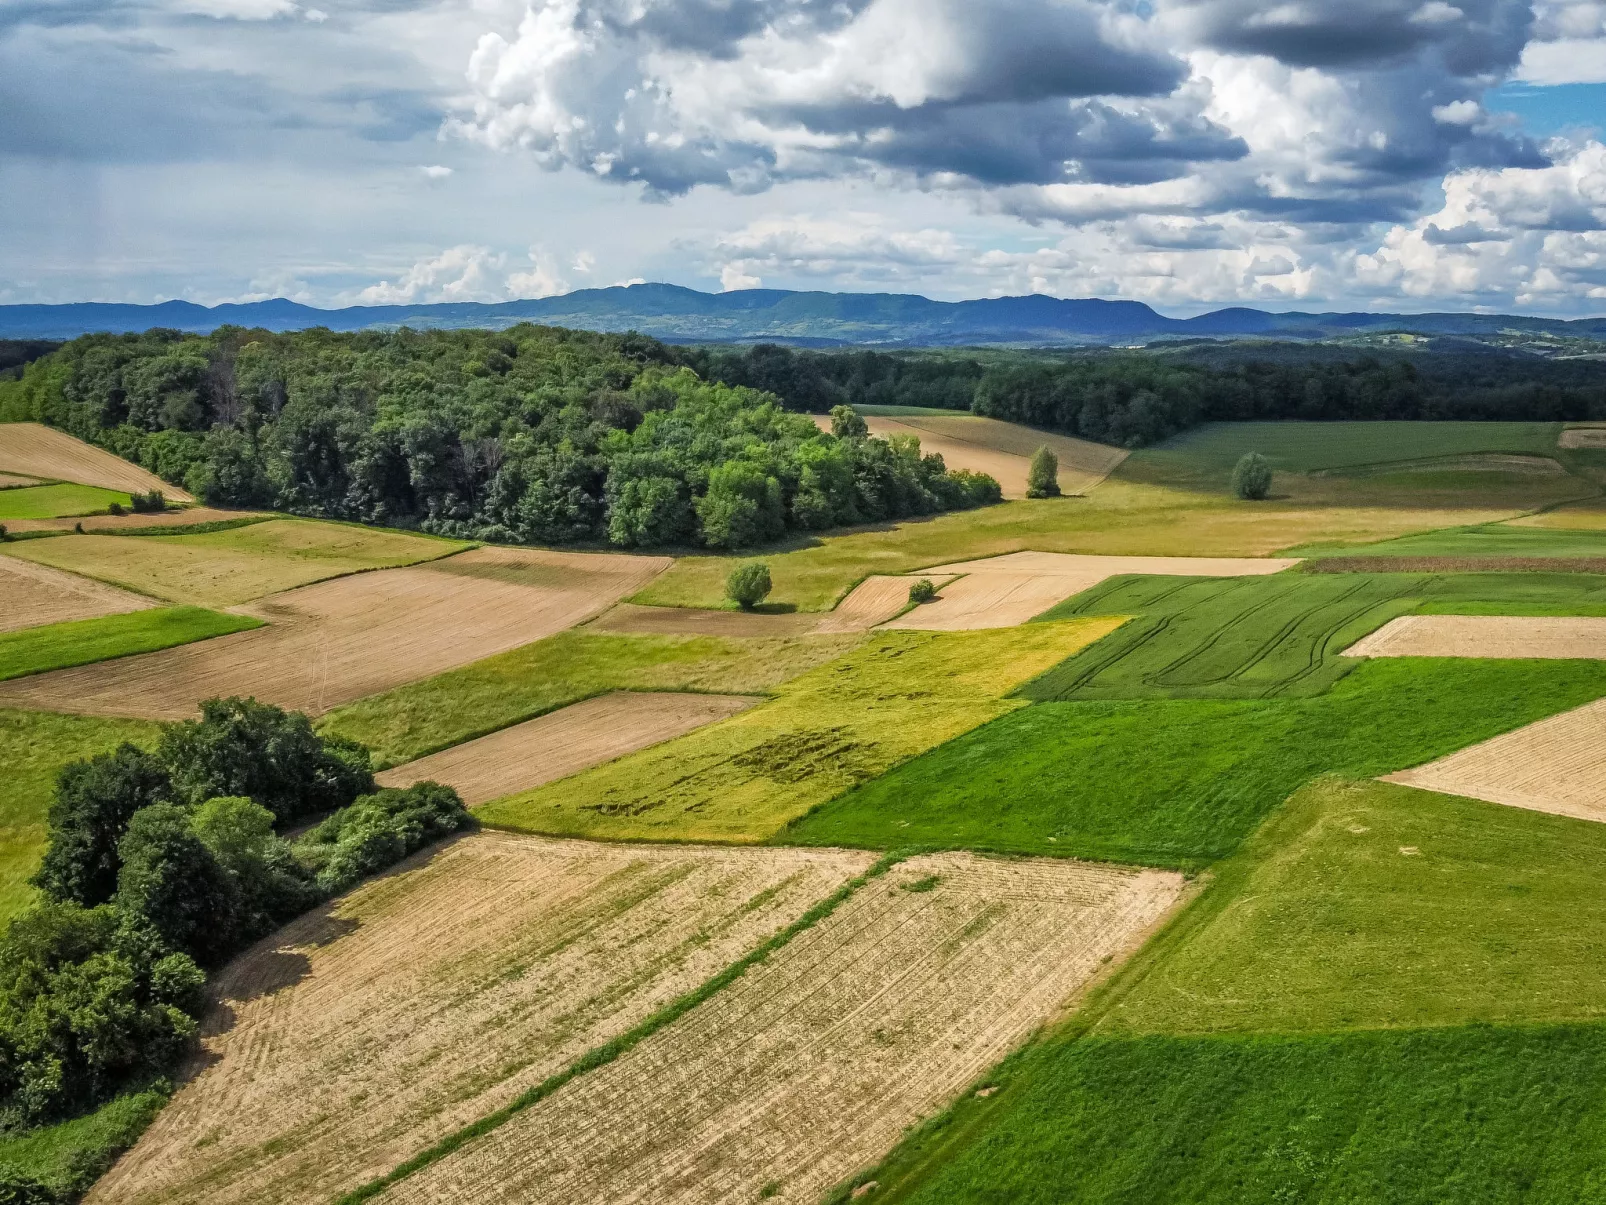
[897, 695]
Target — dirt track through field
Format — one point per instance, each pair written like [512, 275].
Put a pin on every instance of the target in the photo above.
[340, 640]
[35, 450]
[1002, 591]
[362, 1033]
[565, 742]
[1555, 765]
[1544, 636]
[812, 1064]
[37, 594]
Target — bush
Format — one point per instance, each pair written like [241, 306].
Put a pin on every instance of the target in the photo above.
[1042, 476]
[172, 880]
[975, 489]
[1251, 477]
[116, 508]
[378, 831]
[17, 1187]
[4, 534]
[89, 813]
[748, 584]
[922, 591]
[151, 503]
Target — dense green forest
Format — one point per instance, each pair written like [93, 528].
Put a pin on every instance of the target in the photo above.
[532, 434]
[1137, 397]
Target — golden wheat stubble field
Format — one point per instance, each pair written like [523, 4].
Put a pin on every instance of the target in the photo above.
[812, 1064]
[1554, 765]
[1562, 637]
[340, 640]
[360, 1034]
[565, 741]
[34, 450]
[31, 595]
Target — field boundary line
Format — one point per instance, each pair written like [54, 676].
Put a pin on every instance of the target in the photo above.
[601, 1056]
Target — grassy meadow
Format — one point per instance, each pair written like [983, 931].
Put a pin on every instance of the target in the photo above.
[62, 499]
[1491, 540]
[82, 641]
[897, 695]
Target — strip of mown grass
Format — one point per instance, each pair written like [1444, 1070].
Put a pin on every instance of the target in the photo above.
[56, 501]
[847, 722]
[1273, 637]
[83, 641]
[34, 746]
[461, 704]
[1180, 783]
[1464, 1116]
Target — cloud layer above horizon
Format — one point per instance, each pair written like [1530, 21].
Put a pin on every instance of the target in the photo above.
[1309, 154]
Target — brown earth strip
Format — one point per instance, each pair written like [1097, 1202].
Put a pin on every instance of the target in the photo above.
[1455, 564]
[814, 1063]
[184, 517]
[1564, 637]
[565, 742]
[1556, 765]
[1083, 463]
[875, 600]
[31, 595]
[35, 450]
[13, 481]
[1583, 437]
[693, 621]
[364, 1032]
[341, 640]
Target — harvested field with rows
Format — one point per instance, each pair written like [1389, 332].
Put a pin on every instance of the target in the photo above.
[812, 1064]
[37, 594]
[565, 742]
[1556, 765]
[34, 450]
[188, 516]
[367, 1030]
[1548, 637]
[341, 640]
[226, 568]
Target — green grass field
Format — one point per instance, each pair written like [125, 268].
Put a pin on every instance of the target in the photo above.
[1494, 540]
[34, 745]
[509, 688]
[56, 501]
[1181, 782]
[1277, 636]
[82, 641]
[847, 722]
[71, 1155]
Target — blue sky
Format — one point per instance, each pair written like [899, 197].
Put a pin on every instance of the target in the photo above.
[1309, 154]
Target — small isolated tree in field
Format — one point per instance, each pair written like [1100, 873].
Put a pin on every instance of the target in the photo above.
[1043, 476]
[922, 591]
[748, 584]
[1251, 477]
[846, 423]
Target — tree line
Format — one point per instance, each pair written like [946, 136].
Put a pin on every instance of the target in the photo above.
[533, 434]
[162, 863]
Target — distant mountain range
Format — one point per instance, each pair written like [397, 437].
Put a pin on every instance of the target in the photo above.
[682, 315]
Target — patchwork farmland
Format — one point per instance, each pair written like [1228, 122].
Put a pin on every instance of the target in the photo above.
[1181, 848]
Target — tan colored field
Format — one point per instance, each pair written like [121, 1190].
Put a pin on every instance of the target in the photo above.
[1582, 437]
[876, 600]
[815, 1062]
[1001, 450]
[1551, 636]
[1556, 765]
[35, 450]
[8, 480]
[1002, 591]
[564, 742]
[697, 621]
[37, 594]
[224, 568]
[365, 1031]
[341, 640]
[1584, 517]
[181, 517]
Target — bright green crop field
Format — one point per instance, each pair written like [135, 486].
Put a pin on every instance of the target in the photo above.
[56, 501]
[83, 641]
[1492, 540]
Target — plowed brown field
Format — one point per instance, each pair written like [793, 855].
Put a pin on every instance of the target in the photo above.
[876, 600]
[31, 595]
[186, 517]
[340, 640]
[35, 450]
[1583, 437]
[813, 1063]
[8, 480]
[1002, 591]
[565, 742]
[1556, 765]
[1546, 637]
[362, 1033]
[696, 621]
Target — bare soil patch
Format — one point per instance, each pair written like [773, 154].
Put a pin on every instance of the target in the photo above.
[1083, 463]
[36, 594]
[362, 1033]
[1582, 437]
[694, 621]
[340, 640]
[812, 1064]
[565, 741]
[1455, 564]
[34, 450]
[1006, 590]
[184, 517]
[1512, 636]
[1556, 765]
[876, 600]
[13, 481]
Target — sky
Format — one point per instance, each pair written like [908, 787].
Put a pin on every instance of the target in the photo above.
[1405, 155]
